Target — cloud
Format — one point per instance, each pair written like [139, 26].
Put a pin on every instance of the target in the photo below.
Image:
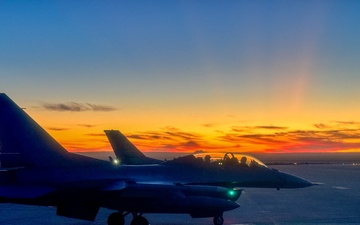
[199, 151]
[208, 125]
[253, 139]
[330, 137]
[137, 136]
[161, 135]
[254, 128]
[321, 126]
[190, 144]
[324, 137]
[182, 135]
[57, 128]
[86, 125]
[270, 127]
[77, 107]
[347, 122]
[148, 136]
[240, 129]
[102, 108]
[337, 125]
[167, 139]
[96, 135]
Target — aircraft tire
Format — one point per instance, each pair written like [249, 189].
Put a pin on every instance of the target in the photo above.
[139, 220]
[218, 220]
[116, 219]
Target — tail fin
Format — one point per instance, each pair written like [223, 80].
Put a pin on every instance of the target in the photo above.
[125, 151]
[24, 143]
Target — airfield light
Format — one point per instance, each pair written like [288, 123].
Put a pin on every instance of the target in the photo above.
[116, 161]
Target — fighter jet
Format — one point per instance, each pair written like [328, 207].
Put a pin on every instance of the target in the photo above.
[37, 170]
[253, 172]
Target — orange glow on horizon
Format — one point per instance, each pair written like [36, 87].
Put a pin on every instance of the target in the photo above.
[291, 141]
[83, 132]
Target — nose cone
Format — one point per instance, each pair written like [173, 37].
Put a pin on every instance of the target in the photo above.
[295, 182]
[232, 205]
[228, 205]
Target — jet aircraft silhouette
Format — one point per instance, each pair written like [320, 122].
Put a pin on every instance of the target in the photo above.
[37, 170]
[250, 171]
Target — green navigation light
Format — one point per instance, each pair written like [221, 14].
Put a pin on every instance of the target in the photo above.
[231, 193]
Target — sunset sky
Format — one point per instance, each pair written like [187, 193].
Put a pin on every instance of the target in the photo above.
[241, 76]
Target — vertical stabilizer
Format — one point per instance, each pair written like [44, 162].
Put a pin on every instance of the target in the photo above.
[23, 143]
[125, 151]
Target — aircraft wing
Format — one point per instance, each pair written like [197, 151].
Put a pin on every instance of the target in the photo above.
[80, 201]
[84, 202]
[129, 196]
[24, 191]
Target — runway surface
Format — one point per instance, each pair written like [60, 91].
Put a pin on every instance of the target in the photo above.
[335, 201]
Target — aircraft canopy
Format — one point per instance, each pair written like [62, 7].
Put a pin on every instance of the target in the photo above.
[220, 159]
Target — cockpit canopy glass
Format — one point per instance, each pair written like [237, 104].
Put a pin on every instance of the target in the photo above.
[219, 159]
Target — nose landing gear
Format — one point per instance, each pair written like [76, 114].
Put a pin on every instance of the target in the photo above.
[218, 220]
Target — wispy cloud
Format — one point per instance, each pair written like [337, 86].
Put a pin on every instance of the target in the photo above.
[96, 134]
[251, 129]
[208, 125]
[322, 137]
[347, 122]
[321, 126]
[86, 125]
[270, 127]
[191, 144]
[168, 138]
[77, 107]
[57, 128]
[327, 137]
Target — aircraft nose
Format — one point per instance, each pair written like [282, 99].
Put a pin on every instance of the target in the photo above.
[295, 182]
[234, 205]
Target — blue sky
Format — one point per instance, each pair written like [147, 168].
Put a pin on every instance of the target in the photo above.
[279, 63]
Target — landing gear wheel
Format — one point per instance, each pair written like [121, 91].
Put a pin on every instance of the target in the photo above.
[218, 220]
[116, 219]
[139, 220]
